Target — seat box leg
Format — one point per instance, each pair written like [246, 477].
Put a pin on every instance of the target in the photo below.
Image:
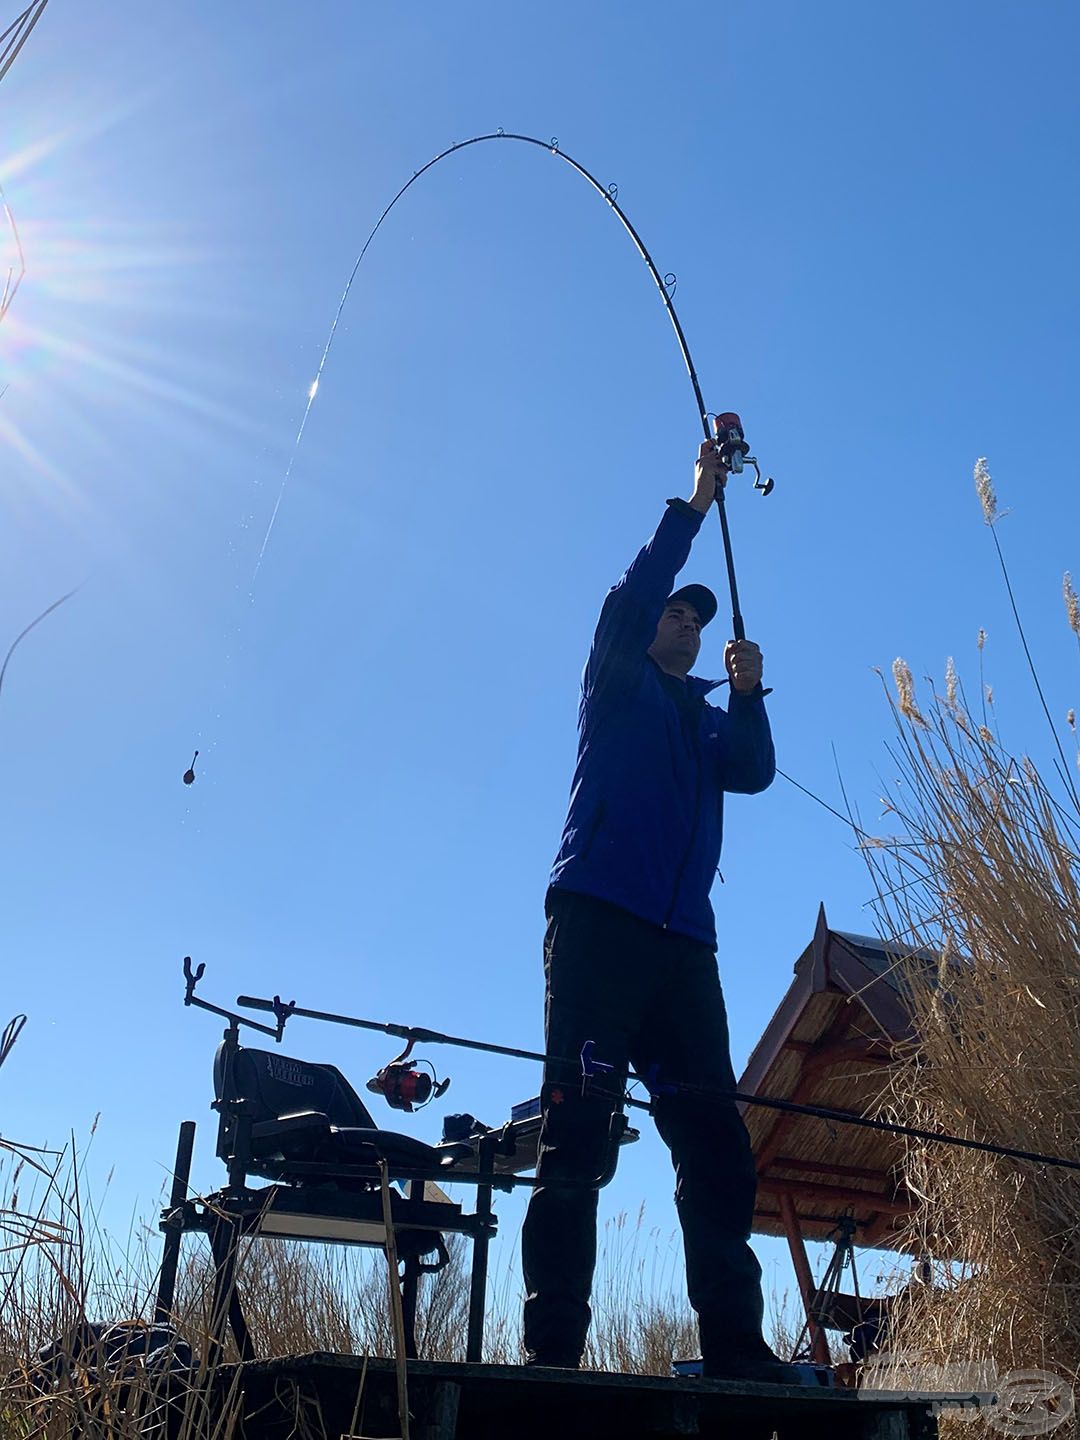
[410, 1287]
[474, 1342]
[226, 1309]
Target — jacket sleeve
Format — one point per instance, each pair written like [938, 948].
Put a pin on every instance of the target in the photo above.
[632, 610]
[747, 757]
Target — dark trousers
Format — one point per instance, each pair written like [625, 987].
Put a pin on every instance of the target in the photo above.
[647, 997]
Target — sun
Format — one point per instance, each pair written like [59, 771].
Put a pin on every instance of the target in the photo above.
[96, 283]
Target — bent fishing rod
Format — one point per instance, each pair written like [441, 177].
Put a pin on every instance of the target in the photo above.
[592, 1067]
[725, 433]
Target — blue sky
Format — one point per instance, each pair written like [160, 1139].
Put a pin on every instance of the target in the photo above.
[872, 214]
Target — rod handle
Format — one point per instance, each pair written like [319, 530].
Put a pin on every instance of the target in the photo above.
[252, 1002]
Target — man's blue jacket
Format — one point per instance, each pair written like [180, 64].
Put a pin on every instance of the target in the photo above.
[647, 803]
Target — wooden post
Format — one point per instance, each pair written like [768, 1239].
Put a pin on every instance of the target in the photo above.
[818, 1341]
[174, 1225]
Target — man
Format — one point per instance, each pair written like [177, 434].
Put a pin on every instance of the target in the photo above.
[629, 953]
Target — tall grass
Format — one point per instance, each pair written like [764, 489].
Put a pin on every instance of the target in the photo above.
[59, 1377]
[59, 1274]
[980, 884]
[304, 1297]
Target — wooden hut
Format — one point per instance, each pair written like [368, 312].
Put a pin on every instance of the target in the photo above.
[830, 1043]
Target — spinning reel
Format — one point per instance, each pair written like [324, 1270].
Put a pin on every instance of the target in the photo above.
[408, 1087]
[734, 451]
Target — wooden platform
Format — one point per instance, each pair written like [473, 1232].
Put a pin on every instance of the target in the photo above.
[324, 1397]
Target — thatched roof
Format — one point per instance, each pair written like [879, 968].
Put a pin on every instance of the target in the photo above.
[830, 1043]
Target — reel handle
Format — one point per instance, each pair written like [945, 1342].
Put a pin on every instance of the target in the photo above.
[734, 450]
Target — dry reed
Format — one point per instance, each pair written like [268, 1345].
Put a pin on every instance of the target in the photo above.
[62, 1281]
[302, 1298]
[982, 889]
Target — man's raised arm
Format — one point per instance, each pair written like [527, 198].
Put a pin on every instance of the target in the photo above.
[632, 610]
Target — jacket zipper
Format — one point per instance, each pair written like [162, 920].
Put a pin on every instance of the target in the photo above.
[693, 828]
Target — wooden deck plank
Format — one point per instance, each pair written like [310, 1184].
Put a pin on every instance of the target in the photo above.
[455, 1401]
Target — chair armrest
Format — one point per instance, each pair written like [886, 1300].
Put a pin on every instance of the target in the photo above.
[306, 1122]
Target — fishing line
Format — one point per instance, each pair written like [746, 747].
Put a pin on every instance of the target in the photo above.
[665, 284]
[729, 440]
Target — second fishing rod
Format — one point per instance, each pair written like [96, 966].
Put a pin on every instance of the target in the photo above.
[594, 1067]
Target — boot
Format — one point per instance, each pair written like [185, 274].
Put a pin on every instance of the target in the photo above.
[735, 1357]
[540, 1360]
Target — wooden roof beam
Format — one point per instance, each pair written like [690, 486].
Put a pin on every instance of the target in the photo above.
[861, 1051]
[819, 1167]
[812, 1190]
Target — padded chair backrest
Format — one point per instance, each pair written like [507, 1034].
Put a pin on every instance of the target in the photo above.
[277, 1085]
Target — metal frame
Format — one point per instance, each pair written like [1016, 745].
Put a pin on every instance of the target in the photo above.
[280, 1211]
[353, 1216]
[283, 1211]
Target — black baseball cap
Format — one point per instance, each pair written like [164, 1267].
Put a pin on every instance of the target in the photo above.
[700, 597]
